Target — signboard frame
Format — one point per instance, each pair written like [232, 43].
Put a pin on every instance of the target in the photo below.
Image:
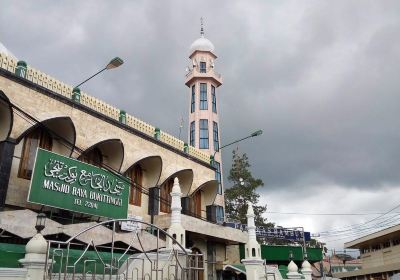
[89, 202]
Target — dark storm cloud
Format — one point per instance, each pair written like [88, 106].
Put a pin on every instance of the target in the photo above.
[320, 78]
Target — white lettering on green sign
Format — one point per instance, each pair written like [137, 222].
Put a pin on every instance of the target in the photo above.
[67, 183]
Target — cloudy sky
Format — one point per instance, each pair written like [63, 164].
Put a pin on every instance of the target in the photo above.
[319, 77]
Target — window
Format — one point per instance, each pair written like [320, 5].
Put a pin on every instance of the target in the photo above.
[192, 133]
[203, 97]
[386, 244]
[203, 134]
[195, 207]
[165, 196]
[136, 176]
[203, 67]
[94, 157]
[217, 166]
[211, 259]
[215, 136]
[375, 247]
[220, 214]
[39, 138]
[214, 99]
[396, 242]
[193, 101]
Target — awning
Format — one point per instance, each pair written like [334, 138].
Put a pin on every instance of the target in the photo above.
[149, 241]
[99, 235]
[22, 223]
[237, 268]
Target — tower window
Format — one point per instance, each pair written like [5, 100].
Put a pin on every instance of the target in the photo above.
[193, 101]
[203, 97]
[214, 99]
[215, 136]
[217, 166]
[203, 67]
[203, 134]
[192, 133]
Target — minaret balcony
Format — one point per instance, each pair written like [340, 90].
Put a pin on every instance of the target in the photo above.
[210, 74]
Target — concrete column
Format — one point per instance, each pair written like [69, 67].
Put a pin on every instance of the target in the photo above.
[35, 258]
[6, 155]
[306, 270]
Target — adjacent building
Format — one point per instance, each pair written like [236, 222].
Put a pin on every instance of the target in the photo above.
[380, 255]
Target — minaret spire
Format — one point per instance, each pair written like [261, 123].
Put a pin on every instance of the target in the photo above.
[201, 27]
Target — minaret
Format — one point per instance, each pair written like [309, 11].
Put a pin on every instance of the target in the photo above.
[253, 261]
[203, 82]
[176, 230]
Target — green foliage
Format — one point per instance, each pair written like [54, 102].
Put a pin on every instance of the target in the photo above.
[242, 191]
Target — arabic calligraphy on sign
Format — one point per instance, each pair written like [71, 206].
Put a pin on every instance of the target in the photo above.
[71, 174]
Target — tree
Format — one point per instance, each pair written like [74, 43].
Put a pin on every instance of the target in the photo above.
[243, 190]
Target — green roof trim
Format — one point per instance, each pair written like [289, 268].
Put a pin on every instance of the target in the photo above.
[272, 253]
[241, 268]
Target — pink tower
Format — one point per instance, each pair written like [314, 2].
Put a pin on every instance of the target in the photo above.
[204, 128]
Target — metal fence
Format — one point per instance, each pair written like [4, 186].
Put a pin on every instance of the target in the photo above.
[100, 262]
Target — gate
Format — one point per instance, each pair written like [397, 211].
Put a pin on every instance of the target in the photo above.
[98, 262]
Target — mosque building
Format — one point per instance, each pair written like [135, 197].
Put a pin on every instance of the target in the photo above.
[80, 128]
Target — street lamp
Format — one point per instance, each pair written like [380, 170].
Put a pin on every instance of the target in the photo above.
[40, 222]
[114, 63]
[254, 134]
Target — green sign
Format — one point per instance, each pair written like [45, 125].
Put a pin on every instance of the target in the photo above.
[70, 184]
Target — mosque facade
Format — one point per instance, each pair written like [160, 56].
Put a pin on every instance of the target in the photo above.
[76, 125]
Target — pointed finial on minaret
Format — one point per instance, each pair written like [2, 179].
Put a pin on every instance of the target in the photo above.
[202, 27]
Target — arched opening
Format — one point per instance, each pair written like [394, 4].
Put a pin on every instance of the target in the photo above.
[144, 174]
[108, 153]
[203, 196]
[38, 138]
[6, 117]
[56, 135]
[253, 252]
[185, 181]
[94, 157]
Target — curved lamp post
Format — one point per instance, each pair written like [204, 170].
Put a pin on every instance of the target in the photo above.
[114, 63]
[254, 134]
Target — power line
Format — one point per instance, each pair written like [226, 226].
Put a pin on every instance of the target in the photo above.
[324, 214]
[355, 226]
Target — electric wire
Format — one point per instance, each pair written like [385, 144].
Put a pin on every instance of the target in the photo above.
[66, 143]
[355, 226]
[324, 214]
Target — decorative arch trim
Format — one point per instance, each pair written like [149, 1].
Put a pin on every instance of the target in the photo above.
[142, 162]
[45, 124]
[105, 142]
